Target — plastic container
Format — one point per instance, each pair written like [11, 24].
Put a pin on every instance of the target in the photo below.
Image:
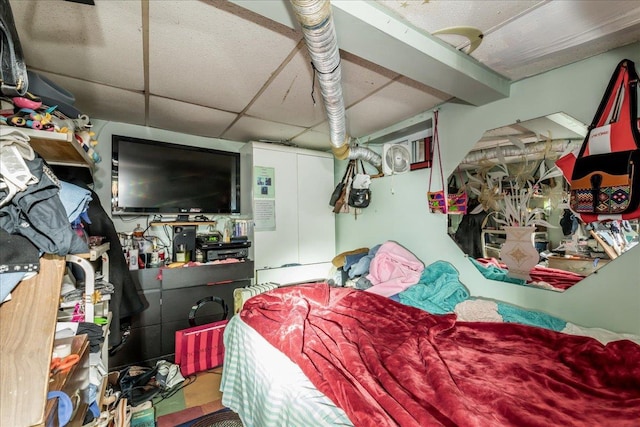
[138, 232]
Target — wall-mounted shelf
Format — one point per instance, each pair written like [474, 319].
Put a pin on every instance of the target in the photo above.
[181, 223]
[57, 148]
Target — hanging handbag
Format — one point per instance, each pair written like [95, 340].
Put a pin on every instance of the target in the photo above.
[201, 347]
[604, 176]
[437, 200]
[341, 205]
[359, 193]
[337, 192]
[457, 197]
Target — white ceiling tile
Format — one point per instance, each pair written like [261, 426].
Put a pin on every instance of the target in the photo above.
[188, 118]
[313, 140]
[437, 14]
[544, 38]
[206, 55]
[360, 78]
[210, 60]
[252, 129]
[103, 102]
[288, 97]
[396, 102]
[101, 43]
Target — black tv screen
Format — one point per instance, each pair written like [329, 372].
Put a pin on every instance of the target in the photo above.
[152, 177]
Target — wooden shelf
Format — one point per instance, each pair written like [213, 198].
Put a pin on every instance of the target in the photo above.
[57, 148]
[27, 329]
[181, 223]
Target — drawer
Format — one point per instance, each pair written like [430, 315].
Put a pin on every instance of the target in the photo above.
[175, 278]
[177, 303]
[151, 314]
[146, 279]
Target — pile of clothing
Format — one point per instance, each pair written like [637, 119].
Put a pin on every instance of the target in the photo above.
[36, 210]
[385, 269]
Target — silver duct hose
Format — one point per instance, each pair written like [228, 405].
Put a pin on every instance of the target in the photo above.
[316, 21]
[530, 152]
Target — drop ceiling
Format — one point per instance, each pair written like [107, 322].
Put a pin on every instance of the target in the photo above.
[239, 70]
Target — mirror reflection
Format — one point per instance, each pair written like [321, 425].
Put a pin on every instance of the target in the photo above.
[516, 194]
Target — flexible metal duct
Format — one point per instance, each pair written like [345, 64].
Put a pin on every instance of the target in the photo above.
[532, 151]
[316, 21]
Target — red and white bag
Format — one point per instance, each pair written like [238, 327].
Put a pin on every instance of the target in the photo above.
[603, 174]
[201, 347]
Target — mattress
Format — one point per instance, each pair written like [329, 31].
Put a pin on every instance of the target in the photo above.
[266, 388]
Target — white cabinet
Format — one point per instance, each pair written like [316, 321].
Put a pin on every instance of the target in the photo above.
[294, 223]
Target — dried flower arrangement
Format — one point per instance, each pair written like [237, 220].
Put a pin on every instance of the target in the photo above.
[507, 196]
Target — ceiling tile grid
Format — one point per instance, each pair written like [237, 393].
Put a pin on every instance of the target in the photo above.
[188, 118]
[396, 102]
[249, 128]
[288, 98]
[98, 101]
[233, 70]
[101, 43]
[208, 56]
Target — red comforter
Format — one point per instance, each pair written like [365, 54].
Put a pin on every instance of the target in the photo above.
[388, 364]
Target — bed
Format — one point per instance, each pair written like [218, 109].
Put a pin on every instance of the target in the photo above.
[321, 355]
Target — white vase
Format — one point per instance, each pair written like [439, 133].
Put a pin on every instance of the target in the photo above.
[518, 251]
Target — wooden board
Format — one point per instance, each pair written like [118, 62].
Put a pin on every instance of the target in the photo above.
[27, 329]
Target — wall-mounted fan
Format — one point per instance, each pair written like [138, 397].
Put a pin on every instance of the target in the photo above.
[396, 158]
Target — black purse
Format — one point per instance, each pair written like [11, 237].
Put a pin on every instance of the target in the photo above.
[340, 188]
[359, 197]
[607, 183]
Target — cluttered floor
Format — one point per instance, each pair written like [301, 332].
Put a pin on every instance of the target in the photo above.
[195, 402]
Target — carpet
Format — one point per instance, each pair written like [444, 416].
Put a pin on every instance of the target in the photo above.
[197, 398]
[222, 418]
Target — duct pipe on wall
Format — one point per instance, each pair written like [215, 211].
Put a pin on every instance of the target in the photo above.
[531, 151]
[316, 21]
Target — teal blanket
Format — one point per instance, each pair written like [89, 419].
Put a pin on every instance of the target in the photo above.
[513, 314]
[438, 290]
[496, 273]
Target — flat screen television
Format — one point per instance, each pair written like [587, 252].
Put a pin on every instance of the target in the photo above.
[153, 177]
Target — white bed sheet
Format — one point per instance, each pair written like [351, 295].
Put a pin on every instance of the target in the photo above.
[266, 388]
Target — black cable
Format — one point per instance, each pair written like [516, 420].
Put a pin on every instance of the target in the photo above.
[313, 79]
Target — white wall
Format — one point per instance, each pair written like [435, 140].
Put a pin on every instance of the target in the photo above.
[398, 211]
